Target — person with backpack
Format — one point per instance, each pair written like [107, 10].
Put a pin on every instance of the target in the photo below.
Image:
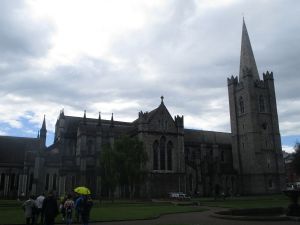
[69, 206]
[29, 208]
[86, 206]
[78, 207]
[61, 207]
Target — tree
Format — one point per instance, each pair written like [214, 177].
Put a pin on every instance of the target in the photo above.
[108, 171]
[123, 165]
[131, 159]
[296, 160]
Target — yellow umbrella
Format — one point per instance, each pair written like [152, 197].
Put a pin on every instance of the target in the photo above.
[82, 190]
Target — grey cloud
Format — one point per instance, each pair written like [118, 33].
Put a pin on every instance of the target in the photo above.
[22, 37]
[191, 51]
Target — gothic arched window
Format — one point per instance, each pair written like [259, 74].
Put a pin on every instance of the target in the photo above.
[90, 147]
[30, 181]
[47, 182]
[162, 149]
[261, 103]
[169, 155]
[193, 156]
[191, 182]
[12, 181]
[187, 154]
[241, 103]
[222, 156]
[2, 181]
[54, 182]
[155, 155]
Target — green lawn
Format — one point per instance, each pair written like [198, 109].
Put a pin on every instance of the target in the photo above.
[247, 202]
[13, 214]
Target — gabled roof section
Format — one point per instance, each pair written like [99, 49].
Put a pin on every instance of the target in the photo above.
[207, 137]
[71, 124]
[148, 116]
[13, 149]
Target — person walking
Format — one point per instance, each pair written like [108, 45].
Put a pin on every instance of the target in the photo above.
[29, 208]
[86, 206]
[78, 207]
[50, 209]
[69, 206]
[39, 203]
[62, 208]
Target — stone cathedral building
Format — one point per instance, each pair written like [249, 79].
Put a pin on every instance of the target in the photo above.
[246, 161]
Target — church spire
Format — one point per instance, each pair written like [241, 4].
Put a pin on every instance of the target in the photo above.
[44, 124]
[99, 119]
[112, 124]
[247, 60]
[84, 117]
[43, 133]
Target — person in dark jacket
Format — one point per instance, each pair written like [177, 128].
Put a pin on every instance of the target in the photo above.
[50, 209]
[85, 205]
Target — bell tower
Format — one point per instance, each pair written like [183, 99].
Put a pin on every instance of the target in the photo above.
[256, 144]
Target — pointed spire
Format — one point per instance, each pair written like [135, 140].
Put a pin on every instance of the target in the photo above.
[44, 124]
[99, 119]
[43, 131]
[62, 114]
[38, 135]
[247, 60]
[84, 117]
[112, 120]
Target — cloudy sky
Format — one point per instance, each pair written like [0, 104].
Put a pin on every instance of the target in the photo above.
[120, 56]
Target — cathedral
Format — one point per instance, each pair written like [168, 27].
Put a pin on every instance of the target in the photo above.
[247, 161]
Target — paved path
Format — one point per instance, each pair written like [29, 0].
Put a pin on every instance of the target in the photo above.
[195, 218]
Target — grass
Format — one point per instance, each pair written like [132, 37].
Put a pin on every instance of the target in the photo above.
[247, 202]
[13, 214]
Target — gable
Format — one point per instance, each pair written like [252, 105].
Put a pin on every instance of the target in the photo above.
[161, 120]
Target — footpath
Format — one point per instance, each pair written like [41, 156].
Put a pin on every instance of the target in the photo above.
[195, 218]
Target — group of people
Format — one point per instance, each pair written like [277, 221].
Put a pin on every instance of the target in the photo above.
[43, 210]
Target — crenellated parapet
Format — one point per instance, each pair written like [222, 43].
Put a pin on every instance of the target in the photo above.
[233, 80]
[143, 116]
[179, 121]
[268, 76]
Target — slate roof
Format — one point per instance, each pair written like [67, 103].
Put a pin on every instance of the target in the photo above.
[72, 123]
[206, 137]
[12, 149]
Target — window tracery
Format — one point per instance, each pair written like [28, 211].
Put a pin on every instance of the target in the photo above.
[162, 148]
[169, 154]
[155, 155]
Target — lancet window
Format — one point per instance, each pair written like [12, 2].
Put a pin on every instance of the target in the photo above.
[162, 149]
[169, 154]
[241, 103]
[162, 154]
[155, 155]
[261, 104]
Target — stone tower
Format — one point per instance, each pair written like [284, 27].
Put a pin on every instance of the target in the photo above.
[256, 144]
